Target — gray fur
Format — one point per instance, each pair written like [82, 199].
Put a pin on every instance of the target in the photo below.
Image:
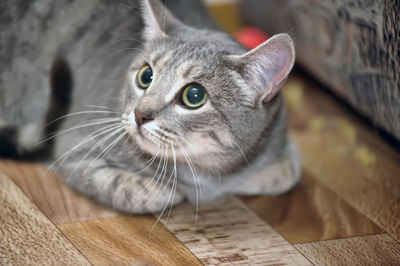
[237, 142]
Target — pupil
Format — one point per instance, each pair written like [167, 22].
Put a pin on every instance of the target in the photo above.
[147, 76]
[195, 95]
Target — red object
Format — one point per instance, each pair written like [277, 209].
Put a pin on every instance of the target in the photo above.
[251, 37]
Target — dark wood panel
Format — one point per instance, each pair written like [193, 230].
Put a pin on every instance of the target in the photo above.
[345, 155]
[363, 250]
[311, 212]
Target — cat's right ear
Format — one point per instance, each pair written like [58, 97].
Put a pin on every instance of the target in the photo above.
[158, 20]
[266, 67]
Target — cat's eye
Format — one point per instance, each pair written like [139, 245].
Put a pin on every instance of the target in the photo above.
[145, 77]
[194, 96]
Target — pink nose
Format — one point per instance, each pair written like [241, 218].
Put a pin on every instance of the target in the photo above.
[142, 117]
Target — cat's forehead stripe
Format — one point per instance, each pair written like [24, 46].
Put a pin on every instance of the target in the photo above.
[160, 60]
[182, 73]
[186, 72]
[155, 58]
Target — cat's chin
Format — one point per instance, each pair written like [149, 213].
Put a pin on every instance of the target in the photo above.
[141, 139]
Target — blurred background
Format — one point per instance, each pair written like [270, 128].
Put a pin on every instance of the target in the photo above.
[351, 47]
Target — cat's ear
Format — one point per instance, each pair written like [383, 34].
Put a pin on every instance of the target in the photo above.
[267, 66]
[158, 20]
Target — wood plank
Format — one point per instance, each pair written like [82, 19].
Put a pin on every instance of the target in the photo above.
[56, 200]
[311, 212]
[345, 155]
[227, 233]
[27, 236]
[363, 250]
[128, 240]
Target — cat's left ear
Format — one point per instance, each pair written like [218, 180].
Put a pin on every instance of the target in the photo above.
[266, 67]
[158, 20]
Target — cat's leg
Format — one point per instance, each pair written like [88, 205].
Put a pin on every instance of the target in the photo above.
[121, 189]
[273, 179]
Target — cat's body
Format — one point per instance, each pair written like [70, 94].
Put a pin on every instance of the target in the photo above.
[157, 148]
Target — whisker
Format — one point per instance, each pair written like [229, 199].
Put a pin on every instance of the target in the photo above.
[174, 184]
[110, 146]
[101, 107]
[80, 113]
[92, 136]
[80, 125]
[196, 182]
[154, 175]
[169, 197]
[241, 151]
[175, 180]
[113, 132]
[128, 49]
[129, 8]
[126, 39]
[190, 144]
[161, 176]
[152, 160]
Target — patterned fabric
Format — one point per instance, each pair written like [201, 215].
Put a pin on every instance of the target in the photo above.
[352, 46]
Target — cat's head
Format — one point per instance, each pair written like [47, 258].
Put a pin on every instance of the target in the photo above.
[199, 91]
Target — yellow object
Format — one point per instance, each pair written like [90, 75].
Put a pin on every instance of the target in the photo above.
[316, 124]
[347, 129]
[226, 14]
[364, 156]
[293, 93]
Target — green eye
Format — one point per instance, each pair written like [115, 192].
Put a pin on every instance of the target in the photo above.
[145, 77]
[194, 96]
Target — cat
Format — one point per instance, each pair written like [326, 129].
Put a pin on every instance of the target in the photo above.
[191, 115]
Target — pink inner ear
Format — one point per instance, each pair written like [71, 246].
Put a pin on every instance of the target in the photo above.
[270, 64]
[282, 69]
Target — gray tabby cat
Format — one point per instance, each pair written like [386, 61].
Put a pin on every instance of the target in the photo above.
[196, 117]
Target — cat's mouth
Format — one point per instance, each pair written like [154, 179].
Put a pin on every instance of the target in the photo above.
[143, 137]
[140, 134]
[153, 139]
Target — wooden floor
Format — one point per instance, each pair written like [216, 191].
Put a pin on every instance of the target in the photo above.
[345, 211]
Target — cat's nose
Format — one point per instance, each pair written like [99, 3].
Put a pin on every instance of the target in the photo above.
[142, 117]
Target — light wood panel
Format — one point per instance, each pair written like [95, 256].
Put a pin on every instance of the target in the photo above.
[345, 155]
[128, 240]
[363, 250]
[27, 236]
[227, 233]
[57, 201]
[310, 212]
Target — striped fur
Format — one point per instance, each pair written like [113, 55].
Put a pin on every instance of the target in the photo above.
[237, 142]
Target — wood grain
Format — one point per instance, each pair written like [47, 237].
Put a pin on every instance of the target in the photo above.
[363, 250]
[227, 233]
[56, 200]
[311, 212]
[27, 237]
[128, 240]
[346, 156]
[349, 173]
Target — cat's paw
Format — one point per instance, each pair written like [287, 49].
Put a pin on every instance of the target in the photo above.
[274, 179]
[280, 177]
[144, 195]
[123, 190]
